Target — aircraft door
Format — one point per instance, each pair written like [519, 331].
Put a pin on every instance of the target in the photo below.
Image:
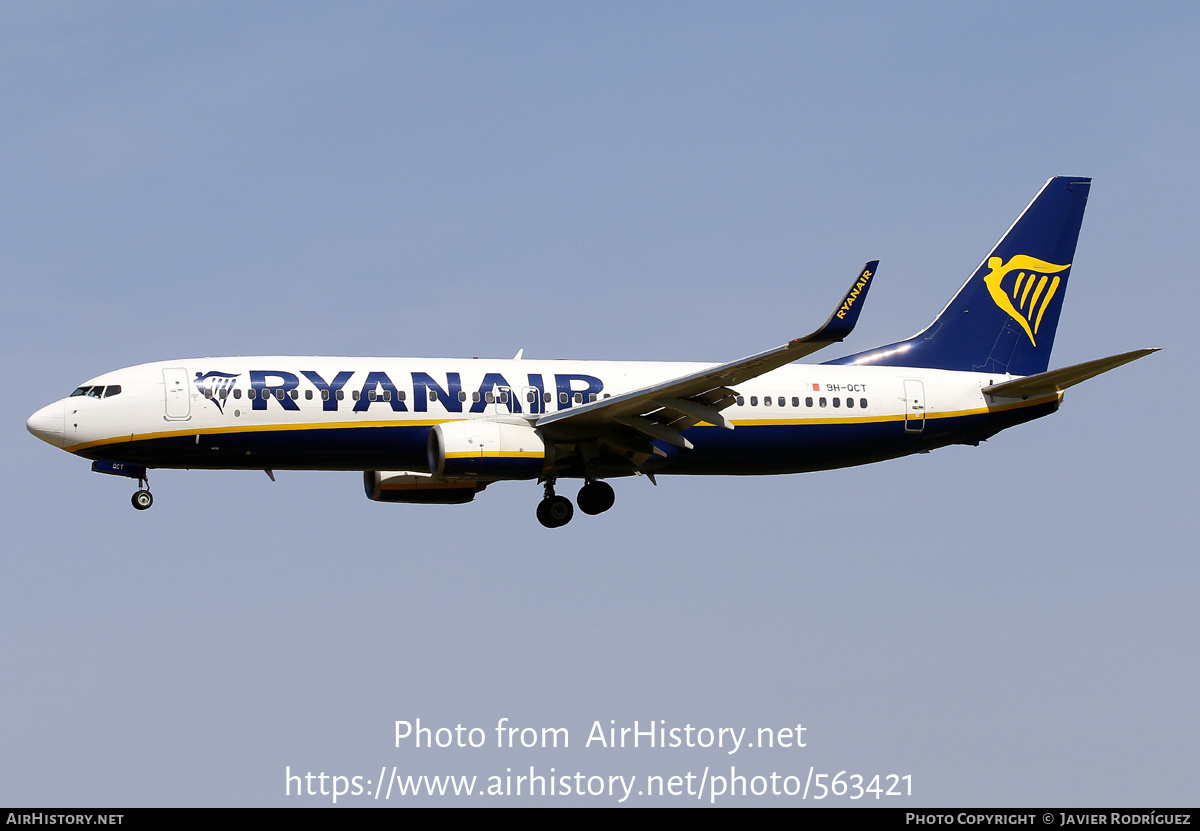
[914, 406]
[501, 402]
[178, 402]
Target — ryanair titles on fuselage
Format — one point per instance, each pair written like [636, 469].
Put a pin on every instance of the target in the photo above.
[264, 385]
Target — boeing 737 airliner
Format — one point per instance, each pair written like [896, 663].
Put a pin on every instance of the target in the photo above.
[441, 430]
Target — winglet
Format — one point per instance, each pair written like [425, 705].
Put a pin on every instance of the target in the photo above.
[841, 322]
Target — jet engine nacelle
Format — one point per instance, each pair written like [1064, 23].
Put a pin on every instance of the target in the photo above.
[414, 486]
[479, 449]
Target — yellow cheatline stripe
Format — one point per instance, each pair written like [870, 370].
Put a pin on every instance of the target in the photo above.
[269, 428]
[428, 485]
[770, 422]
[255, 428]
[898, 417]
[497, 454]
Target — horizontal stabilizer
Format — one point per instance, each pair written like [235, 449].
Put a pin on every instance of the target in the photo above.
[1057, 380]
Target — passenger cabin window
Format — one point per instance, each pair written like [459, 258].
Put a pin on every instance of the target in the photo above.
[795, 401]
[489, 397]
[862, 402]
[462, 396]
[325, 395]
[808, 401]
[741, 400]
[237, 393]
[849, 402]
[563, 398]
[308, 395]
[821, 402]
[432, 395]
[837, 402]
[754, 401]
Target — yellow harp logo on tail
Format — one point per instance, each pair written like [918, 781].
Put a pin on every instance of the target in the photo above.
[1031, 290]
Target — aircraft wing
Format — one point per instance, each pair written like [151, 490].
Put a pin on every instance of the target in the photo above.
[665, 410]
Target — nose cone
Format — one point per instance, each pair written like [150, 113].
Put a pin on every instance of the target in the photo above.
[48, 424]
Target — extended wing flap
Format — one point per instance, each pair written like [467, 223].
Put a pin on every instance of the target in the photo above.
[1057, 380]
[594, 419]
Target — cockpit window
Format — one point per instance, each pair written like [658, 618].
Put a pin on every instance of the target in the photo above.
[98, 392]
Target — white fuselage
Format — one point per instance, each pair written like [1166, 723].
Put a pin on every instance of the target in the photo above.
[182, 413]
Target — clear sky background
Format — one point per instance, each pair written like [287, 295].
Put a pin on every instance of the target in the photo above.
[1014, 624]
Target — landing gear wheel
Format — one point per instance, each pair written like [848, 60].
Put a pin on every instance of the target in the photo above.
[595, 497]
[142, 500]
[555, 511]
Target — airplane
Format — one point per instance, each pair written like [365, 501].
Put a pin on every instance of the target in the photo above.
[437, 430]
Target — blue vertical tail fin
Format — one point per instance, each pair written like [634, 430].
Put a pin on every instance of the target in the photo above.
[1004, 317]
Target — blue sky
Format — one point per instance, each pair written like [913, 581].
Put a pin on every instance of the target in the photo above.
[1013, 624]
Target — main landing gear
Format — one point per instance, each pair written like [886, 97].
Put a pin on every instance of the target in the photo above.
[556, 511]
[142, 500]
[595, 497]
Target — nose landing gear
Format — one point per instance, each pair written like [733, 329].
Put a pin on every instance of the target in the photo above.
[142, 499]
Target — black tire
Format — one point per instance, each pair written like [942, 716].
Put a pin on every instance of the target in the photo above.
[596, 497]
[555, 511]
[142, 500]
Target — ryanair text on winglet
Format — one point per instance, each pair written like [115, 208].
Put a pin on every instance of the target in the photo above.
[854, 293]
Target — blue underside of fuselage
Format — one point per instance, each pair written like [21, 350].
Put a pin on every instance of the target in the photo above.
[746, 450]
